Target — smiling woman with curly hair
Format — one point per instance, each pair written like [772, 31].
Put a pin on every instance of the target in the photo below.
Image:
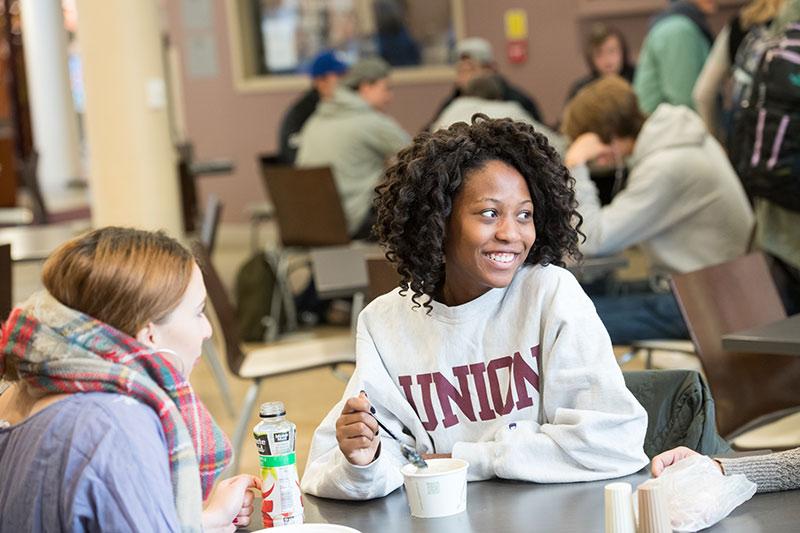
[498, 358]
[417, 196]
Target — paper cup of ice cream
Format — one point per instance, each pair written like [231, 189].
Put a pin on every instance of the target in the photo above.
[438, 490]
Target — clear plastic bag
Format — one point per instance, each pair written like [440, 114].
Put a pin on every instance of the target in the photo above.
[698, 494]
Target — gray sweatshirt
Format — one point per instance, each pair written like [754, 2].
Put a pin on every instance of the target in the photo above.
[355, 140]
[684, 204]
[771, 472]
[520, 382]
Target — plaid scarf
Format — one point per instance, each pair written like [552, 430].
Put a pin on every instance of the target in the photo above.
[60, 350]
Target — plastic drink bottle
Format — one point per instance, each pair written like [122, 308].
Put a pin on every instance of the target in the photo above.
[282, 502]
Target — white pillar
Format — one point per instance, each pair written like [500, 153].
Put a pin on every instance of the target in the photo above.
[132, 162]
[54, 121]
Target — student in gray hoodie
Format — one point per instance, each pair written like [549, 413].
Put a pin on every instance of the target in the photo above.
[352, 134]
[683, 203]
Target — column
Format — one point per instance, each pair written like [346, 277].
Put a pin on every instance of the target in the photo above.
[132, 162]
[53, 117]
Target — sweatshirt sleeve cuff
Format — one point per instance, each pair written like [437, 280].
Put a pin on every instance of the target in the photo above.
[479, 455]
[360, 474]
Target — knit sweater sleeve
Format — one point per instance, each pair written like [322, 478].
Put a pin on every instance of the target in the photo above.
[772, 472]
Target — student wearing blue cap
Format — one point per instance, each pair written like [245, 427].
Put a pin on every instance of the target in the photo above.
[325, 71]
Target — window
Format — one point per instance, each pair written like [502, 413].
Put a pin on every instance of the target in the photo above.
[278, 39]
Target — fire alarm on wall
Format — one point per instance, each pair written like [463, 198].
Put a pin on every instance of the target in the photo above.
[516, 25]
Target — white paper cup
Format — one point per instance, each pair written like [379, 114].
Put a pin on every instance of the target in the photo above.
[439, 490]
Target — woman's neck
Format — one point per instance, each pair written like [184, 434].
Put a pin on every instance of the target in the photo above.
[18, 402]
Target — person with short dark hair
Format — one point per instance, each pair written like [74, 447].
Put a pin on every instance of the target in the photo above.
[683, 203]
[489, 351]
[353, 135]
[484, 94]
[474, 58]
[325, 71]
[605, 52]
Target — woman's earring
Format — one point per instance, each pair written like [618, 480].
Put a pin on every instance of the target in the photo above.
[175, 359]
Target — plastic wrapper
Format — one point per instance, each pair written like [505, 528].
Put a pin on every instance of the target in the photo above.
[699, 495]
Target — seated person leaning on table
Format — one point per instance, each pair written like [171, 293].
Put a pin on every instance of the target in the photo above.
[490, 351]
[100, 428]
[683, 203]
[352, 134]
[770, 472]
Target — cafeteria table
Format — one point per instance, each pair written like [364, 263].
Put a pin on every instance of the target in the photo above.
[35, 243]
[781, 337]
[511, 506]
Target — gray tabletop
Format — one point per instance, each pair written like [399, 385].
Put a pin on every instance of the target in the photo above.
[591, 268]
[510, 506]
[782, 337]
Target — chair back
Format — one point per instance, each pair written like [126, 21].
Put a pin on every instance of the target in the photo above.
[30, 178]
[188, 187]
[223, 308]
[729, 297]
[5, 281]
[308, 209]
[210, 224]
[383, 277]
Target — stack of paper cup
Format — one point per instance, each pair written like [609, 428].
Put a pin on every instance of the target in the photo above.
[653, 510]
[619, 508]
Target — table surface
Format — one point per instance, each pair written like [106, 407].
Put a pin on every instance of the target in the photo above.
[781, 337]
[509, 506]
[35, 243]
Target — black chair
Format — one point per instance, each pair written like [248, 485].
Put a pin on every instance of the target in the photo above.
[6, 284]
[308, 213]
[208, 239]
[308, 209]
[210, 224]
[188, 172]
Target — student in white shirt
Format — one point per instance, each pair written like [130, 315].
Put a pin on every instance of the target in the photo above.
[489, 351]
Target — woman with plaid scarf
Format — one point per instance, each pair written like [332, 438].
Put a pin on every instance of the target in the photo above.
[99, 426]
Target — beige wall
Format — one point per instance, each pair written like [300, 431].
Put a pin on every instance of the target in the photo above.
[223, 123]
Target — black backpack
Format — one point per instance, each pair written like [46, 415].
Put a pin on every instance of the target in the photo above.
[766, 147]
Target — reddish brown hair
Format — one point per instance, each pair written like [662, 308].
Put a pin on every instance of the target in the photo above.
[121, 276]
[607, 107]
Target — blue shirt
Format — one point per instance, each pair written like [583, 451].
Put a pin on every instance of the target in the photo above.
[90, 462]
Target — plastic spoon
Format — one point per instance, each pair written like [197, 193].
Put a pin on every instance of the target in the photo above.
[411, 454]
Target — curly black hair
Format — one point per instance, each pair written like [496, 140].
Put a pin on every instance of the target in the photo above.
[415, 200]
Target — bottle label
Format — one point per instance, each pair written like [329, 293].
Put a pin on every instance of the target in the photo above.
[282, 502]
[271, 461]
[274, 443]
